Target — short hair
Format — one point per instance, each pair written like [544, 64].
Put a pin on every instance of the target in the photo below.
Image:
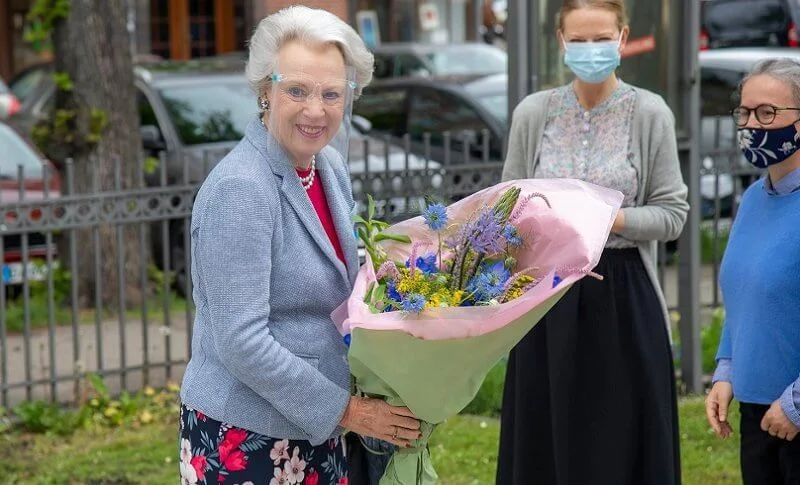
[617, 7]
[310, 26]
[783, 69]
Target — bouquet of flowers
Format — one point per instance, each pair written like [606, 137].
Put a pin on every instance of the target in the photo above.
[444, 296]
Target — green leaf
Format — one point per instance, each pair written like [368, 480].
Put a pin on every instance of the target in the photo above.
[98, 385]
[392, 237]
[370, 208]
[368, 296]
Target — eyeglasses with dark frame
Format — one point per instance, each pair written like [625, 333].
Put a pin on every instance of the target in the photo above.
[765, 114]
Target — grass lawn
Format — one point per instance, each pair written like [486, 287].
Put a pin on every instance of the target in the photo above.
[464, 451]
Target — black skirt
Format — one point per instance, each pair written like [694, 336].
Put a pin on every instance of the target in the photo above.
[590, 393]
[213, 453]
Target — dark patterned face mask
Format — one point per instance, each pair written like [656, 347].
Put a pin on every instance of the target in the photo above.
[762, 147]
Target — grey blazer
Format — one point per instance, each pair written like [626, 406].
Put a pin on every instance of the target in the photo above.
[266, 356]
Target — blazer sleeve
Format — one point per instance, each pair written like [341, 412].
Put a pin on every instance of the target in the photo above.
[233, 257]
[665, 208]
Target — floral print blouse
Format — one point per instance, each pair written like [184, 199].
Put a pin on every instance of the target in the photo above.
[592, 145]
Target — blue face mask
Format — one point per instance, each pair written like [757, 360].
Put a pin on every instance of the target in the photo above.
[592, 62]
[762, 147]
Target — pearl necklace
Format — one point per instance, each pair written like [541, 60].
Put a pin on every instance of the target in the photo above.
[308, 180]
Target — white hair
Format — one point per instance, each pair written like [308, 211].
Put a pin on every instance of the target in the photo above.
[310, 26]
[783, 69]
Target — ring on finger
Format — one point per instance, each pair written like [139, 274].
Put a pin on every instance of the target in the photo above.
[394, 434]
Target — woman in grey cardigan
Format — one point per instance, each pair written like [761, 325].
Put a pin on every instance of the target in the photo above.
[598, 370]
[266, 394]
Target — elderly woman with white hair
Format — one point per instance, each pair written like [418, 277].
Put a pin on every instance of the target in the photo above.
[758, 360]
[266, 394]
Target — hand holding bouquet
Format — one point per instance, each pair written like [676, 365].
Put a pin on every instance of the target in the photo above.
[442, 297]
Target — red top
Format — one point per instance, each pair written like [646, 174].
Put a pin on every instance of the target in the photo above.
[317, 195]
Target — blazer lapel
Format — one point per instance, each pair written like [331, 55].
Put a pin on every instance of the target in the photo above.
[342, 220]
[278, 160]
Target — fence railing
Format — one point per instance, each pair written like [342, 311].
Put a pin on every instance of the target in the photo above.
[133, 326]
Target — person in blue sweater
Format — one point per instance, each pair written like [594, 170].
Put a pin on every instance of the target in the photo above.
[758, 361]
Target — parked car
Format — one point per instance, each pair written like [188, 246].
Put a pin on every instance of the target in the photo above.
[417, 59]
[465, 106]
[18, 153]
[9, 104]
[740, 23]
[197, 111]
[721, 72]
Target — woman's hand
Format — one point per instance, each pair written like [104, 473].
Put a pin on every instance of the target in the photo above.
[376, 418]
[777, 424]
[717, 402]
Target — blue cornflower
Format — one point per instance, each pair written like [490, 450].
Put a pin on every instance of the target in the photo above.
[391, 291]
[512, 236]
[426, 264]
[415, 303]
[435, 216]
[556, 280]
[489, 282]
[485, 234]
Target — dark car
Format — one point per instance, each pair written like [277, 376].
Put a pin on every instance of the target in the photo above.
[468, 108]
[16, 154]
[742, 23]
[399, 59]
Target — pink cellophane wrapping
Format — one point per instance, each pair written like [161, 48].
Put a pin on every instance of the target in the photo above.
[565, 239]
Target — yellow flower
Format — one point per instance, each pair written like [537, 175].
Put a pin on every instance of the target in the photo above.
[516, 289]
[145, 417]
[149, 391]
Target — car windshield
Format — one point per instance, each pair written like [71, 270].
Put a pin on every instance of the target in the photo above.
[210, 112]
[16, 152]
[468, 60]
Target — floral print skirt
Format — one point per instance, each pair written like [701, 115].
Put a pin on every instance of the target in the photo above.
[214, 453]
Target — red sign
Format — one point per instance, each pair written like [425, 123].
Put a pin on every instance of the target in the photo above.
[635, 47]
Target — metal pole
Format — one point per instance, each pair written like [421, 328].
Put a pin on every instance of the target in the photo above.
[477, 23]
[523, 56]
[689, 243]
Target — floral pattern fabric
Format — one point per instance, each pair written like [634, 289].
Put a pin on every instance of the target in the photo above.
[213, 453]
[592, 145]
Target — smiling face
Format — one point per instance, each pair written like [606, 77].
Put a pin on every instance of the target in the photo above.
[307, 99]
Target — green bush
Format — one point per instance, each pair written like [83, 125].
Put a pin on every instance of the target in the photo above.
[489, 399]
[709, 340]
[101, 410]
[711, 253]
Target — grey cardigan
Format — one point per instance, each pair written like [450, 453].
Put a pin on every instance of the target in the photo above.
[661, 207]
[266, 356]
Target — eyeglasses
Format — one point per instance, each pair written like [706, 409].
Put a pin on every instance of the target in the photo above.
[765, 114]
[300, 88]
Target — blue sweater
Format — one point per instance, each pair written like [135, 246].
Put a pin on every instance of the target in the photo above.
[760, 281]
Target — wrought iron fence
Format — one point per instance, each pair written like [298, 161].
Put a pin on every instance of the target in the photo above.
[53, 331]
